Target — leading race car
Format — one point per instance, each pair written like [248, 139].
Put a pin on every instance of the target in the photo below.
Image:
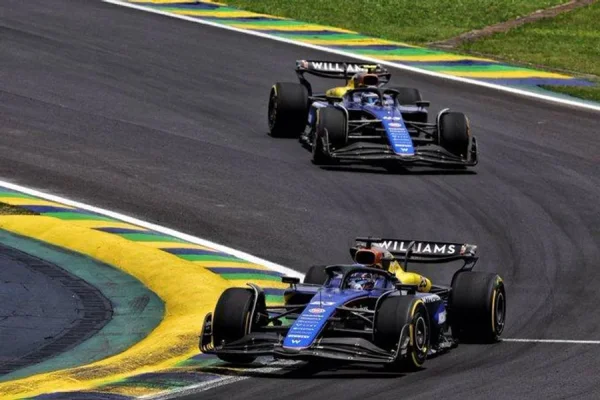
[366, 122]
[371, 311]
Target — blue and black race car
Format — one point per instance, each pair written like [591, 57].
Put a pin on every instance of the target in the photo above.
[366, 122]
[370, 311]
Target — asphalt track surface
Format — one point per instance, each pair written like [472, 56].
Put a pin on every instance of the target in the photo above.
[44, 310]
[34, 308]
[165, 120]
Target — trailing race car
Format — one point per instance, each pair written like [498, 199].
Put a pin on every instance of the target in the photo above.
[372, 311]
[366, 122]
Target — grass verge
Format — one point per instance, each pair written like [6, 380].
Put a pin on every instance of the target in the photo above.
[412, 21]
[7, 209]
[570, 41]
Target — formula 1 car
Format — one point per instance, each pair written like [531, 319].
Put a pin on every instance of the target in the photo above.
[363, 312]
[365, 122]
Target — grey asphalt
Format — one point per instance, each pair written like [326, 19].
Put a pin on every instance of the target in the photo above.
[166, 120]
[34, 308]
[44, 310]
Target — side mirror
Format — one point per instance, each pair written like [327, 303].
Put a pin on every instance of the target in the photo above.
[423, 104]
[290, 279]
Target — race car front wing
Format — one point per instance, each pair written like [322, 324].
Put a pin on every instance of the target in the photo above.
[430, 154]
[348, 349]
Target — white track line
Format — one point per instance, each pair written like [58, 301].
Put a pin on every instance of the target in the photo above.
[167, 231]
[191, 389]
[520, 92]
[558, 341]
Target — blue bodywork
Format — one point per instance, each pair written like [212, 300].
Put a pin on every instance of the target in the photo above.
[390, 114]
[326, 299]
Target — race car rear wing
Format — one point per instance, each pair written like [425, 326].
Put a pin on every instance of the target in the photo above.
[420, 251]
[337, 70]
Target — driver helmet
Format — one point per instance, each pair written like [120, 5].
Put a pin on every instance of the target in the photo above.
[361, 281]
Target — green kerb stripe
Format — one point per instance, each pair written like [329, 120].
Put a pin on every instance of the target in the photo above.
[272, 298]
[146, 237]
[331, 38]
[191, 7]
[397, 52]
[73, 215]
[248, 277]
[278, 22]
[16, 195]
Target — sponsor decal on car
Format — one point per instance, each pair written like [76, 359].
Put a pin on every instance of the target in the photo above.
[316, 310]
[323, 303]
[335, 67]
[299, 336]
[442, 317]
[420, 247]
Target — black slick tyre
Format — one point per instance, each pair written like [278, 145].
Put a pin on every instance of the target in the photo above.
[232, 320]
[331, 129]
[288, 109]
[454, 133]
[316, 275]
[477, 307]
[391, 316]
[408, 96]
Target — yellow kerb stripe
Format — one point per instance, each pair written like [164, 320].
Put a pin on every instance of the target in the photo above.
[189, 293]
[300, 28]
[220, 14]
[91, 224]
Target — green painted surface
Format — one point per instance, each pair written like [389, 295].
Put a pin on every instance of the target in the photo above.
[273, 298]
[207, 257]
[250, 277]
[148, 237]
[67, 215]
[15, 195]
[332, 38]
[136, 310]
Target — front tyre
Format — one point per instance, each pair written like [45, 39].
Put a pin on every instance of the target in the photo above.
[233, 319]
[391, 317]
[331, 131]
[478, 307]
[288, 109]
[454, 133]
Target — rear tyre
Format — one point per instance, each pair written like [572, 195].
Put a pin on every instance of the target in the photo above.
[316, 275]
[233, 320]
[408, 96]
[391, 316]
[288, 109]
[331, 128]
[478, 307]
[454, 133]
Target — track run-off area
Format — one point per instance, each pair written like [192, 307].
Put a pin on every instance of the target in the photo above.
[165, 121]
